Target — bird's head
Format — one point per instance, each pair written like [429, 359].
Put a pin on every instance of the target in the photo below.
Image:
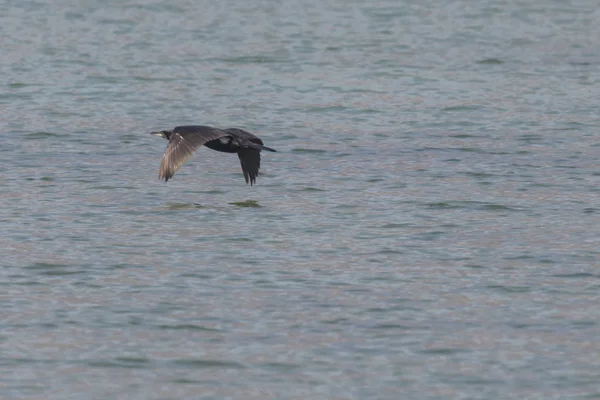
[164, 134]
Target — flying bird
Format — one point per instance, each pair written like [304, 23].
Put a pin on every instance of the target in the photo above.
[184, 140]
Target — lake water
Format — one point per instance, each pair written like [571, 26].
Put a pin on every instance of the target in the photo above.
[428, 228]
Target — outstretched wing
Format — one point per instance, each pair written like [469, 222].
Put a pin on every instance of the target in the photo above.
[182, 144]
[250, 160]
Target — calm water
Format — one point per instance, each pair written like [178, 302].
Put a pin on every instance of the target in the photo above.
[427, 230]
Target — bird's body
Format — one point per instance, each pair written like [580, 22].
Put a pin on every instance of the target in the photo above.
[184, 140]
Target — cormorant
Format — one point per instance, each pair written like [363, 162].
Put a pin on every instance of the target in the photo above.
[184, 140]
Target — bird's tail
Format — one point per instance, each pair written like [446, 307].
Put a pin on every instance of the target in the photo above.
[257, 146]
[267, 148]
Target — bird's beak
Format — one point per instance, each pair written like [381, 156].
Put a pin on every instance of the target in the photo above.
[158, 134]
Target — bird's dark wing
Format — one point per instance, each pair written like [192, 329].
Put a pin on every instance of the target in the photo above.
[250, 160]
[182, 144]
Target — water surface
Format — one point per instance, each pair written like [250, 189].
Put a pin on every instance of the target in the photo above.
[428, 228]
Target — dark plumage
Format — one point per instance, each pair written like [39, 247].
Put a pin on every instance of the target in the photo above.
[184, 140]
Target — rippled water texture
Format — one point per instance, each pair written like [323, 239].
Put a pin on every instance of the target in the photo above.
[428, 228]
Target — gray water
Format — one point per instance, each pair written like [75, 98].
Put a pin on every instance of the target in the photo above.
[428, 228]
